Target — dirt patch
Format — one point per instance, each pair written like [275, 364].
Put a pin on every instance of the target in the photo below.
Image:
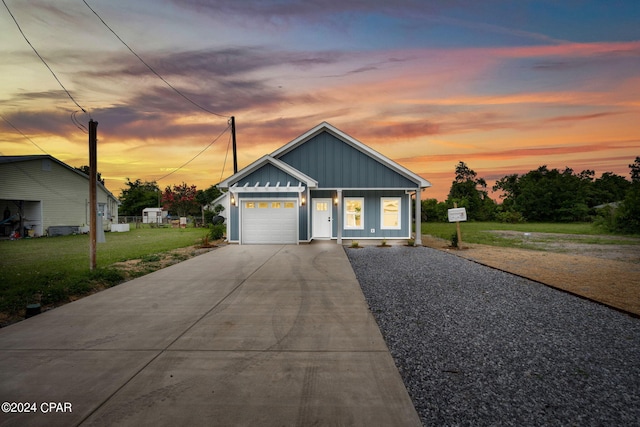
[605, 271]
[139, 267]
[616, 248]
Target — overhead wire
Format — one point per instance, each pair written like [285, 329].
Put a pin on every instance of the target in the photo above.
[150, 67]
[74, 119]
[226, 154]
[43, 61]
[21, 133]
[78, 124]
[176, 90]
[194, 157]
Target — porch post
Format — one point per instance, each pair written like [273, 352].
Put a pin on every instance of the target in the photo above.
[339, 214]
[418, 213]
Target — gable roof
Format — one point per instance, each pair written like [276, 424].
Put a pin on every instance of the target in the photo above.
[326, 127]
[264, 160]
[17, 159]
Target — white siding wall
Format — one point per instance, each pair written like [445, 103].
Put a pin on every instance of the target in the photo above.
[63, 193]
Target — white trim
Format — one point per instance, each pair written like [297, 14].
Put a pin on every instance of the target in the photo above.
[312, 212]
[405, 189]
[347, 227]
[267, 188]
[324, 126]
[310, 182]
[399, 226]
[241, 208]
[418, 218]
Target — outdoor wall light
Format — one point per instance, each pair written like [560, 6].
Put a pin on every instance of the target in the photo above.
[302, 200]
[335, 201]
[233, 200]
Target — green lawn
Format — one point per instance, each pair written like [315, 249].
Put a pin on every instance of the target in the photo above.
[477, 232]
[50, 270]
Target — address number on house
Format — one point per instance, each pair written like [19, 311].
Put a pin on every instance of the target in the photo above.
[457, 214]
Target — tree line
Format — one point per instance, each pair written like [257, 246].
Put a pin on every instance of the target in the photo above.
[179, 200]
[546, 195]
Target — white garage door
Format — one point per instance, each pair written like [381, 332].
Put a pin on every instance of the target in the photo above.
[269, 221]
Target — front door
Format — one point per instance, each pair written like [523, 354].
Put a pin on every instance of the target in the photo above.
[322, 219]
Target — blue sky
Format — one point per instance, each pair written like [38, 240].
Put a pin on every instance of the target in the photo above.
[504, 86]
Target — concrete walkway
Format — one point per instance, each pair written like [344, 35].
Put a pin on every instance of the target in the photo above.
[242, 335]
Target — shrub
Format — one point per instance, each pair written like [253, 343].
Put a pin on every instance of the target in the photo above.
[454, 240]
[217, 231]
[606, 218]
[511, 217]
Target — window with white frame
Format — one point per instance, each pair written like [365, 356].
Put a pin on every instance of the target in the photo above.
[353, 213]
[390, 218]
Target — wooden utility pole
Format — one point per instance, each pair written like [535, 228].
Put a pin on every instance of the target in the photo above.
[233, 138]
[93, 199]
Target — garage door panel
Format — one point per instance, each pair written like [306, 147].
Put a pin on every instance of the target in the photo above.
[271, 221]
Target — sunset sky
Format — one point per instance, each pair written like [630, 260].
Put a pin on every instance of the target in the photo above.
[505, 86]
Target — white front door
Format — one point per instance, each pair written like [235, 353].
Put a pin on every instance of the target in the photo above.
[322, 219]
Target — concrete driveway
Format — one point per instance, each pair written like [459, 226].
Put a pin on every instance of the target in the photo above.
[242, 335]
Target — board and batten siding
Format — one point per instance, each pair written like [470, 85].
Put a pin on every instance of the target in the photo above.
[336, 164]
[271, 174]
[62, 192]
[372, 215]
[267, 173]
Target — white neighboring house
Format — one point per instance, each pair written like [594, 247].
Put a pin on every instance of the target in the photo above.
[45, 196]
[222, 200]
[154, 216]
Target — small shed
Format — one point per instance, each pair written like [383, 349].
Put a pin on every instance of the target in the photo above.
[154, 216]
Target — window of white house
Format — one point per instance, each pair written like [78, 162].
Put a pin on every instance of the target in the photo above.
[353, 213]
[390, 215]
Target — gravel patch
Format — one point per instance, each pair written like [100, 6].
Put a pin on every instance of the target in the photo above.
[476, 346]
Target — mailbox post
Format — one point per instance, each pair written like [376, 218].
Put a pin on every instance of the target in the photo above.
[456, 215]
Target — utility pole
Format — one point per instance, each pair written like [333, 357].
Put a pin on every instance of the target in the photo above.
[233, 138]
[93, 199]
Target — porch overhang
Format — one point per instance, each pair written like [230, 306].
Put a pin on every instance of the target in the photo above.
[267, 188]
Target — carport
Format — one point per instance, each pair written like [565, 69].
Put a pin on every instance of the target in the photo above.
[21, 216]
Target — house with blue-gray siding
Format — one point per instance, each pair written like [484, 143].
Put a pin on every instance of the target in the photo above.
[323, 185]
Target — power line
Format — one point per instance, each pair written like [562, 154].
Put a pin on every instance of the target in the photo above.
[194, 157]
[43, 61]
[78, 124]
[149, 66]
[20, 132]
[225, 158]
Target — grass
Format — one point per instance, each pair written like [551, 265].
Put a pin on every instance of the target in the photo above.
[54, 270]
[477, 232]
